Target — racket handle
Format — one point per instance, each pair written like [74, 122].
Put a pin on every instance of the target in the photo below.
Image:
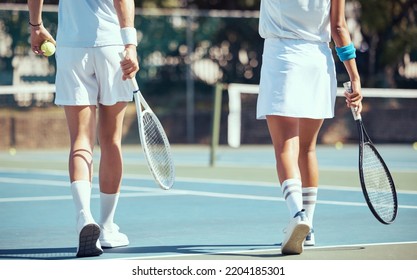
[133, 81]
[134, 84]
[355, 113]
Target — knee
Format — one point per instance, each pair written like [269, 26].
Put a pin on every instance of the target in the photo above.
[109, 144]
[85, 144]
[307, 152]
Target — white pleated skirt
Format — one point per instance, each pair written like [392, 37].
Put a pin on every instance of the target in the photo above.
[298, 79]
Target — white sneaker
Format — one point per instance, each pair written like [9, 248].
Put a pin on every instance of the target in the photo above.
[310, 240]
[296, 232]
[88, 236]
[111, 237]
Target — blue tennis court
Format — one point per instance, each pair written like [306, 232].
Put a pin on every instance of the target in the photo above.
[233, 210]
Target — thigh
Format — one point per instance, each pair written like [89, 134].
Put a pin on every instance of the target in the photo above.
[81, 122]
[111, 122]
[308, 131]
[285, 139]
[282, 129]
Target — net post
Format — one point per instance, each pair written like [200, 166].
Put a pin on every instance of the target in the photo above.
[12, 131]
[215, 133]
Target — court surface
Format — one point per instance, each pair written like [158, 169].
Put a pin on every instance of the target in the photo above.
[233, 210]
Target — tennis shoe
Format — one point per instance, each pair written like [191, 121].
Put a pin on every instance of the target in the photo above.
[310, 240]
[296, 232]
[111, 237]
[88, 236]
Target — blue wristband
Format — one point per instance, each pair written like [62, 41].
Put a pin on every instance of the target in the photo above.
[346, 52]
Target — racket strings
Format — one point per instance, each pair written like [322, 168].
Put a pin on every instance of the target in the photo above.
[159, 156]
[378, 184]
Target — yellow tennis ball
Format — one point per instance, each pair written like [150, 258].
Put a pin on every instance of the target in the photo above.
[48, 48]
[12, 151]
[339, 145]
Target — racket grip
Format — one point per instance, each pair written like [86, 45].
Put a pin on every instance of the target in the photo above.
[134, 84]
[348, 88]
[132, 81]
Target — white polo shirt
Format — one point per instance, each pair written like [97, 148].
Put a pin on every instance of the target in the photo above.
[295, 19]
[87, 23]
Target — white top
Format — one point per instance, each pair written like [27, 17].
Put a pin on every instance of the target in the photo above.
[295, 19]
[87, 23]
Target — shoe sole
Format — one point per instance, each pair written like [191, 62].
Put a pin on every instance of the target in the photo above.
[88, 241]
[294, 245]
[309, 243]
[105, 244]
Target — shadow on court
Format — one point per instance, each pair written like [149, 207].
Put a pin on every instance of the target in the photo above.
[69, 252]
[402, 251]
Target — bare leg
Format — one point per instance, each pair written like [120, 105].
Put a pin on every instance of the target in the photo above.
[110, 138]
[294, 142]
[284, 134]
[82, 128]
[111, 171]
[307, 161]
[285, 139]
[309, 129]
[81, 122]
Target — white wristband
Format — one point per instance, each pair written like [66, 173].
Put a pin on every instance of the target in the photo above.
[129, 36]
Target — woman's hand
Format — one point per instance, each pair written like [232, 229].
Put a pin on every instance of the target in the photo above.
[38, 35]
[354, 98]
[130, 64]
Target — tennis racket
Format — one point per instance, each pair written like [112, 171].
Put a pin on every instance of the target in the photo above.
[376, 181]
[155, 144]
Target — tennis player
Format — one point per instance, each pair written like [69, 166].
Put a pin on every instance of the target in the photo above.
[297, 92]
[89, 80]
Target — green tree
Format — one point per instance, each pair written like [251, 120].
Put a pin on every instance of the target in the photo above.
[390, 30]
[200, 4]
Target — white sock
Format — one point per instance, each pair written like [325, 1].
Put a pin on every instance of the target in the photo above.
[108, 204]
[309, 202]
[81, 194]
[291, 190]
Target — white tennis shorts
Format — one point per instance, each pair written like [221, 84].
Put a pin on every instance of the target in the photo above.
[298, 79]
[90, 76]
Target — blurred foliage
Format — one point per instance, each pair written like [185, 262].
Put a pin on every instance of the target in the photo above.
[388, 29]
[200, 4]
[164, 49]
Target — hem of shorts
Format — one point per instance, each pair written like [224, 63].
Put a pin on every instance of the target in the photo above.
[263, 116]
[60, 103]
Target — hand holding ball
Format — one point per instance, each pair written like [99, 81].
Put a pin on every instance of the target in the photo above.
[48, 48]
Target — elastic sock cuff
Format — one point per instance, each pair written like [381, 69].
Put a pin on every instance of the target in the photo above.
[291, 182]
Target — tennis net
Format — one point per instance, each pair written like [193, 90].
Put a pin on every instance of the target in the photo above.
[389, 114]
[24, 95]
[28, 118]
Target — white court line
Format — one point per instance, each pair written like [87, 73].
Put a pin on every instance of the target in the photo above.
[192, 180]
[153, 191]
[259, 251]
[69, 197]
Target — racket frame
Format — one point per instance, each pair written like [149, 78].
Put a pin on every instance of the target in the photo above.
[141, 108]
[365, 140]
